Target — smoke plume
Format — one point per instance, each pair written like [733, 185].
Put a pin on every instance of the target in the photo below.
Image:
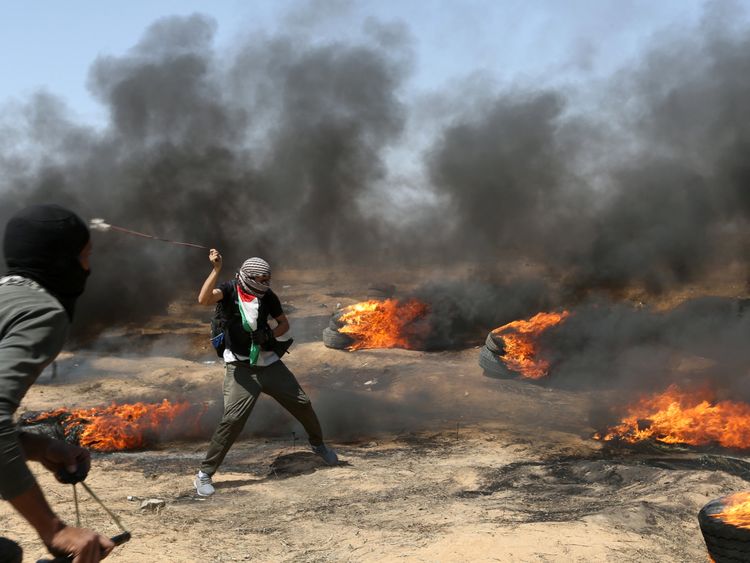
[282, 145]
[263, 154]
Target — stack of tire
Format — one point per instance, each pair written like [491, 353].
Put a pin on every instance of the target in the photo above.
[726, 543]
[490, 357]
[332, 338]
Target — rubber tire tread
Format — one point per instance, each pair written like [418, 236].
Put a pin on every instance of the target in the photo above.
[717, 528]
[335, 323]
[492, 345]
[336, 340]
[725, 543]
[723, 555]
[492, 365]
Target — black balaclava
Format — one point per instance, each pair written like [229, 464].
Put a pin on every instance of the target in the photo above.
[42, 243]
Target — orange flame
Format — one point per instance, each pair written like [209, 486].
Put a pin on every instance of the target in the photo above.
[519, 339]
[736, 510]
[120, 427]
[681, 417]
[384, 324]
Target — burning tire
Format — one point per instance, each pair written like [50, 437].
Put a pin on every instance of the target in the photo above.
[335, 339]
[492, 365]
[379, 324]
[494, 344]
[726, 542]
[335, 323]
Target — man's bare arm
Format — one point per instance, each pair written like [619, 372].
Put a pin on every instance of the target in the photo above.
[282, 327]
[84, 545]
[208, 294]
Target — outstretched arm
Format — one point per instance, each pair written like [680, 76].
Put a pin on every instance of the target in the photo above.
[83, 545]
[209, 294]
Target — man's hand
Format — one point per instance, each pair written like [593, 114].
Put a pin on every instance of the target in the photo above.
[215, 257]
[86, 546]
[209, 294]
[264, 337]
[69, 463]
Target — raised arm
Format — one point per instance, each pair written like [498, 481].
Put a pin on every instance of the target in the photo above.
[209, 294]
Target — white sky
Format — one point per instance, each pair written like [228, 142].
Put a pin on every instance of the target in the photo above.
[51, 44]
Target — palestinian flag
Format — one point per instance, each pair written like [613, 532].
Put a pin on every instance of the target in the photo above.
[249, 306]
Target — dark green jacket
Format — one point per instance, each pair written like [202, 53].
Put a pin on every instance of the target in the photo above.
[33, 328]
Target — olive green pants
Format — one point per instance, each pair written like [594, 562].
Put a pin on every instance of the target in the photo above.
[243, 384]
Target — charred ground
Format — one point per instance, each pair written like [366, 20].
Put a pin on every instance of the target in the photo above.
[439, 461]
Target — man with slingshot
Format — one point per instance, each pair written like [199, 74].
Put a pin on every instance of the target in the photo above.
[46, 248]
[252, 354]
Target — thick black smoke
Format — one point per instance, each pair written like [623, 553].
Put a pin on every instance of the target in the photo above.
[265, 153]
[506, 172]
[279, 147]
[460, 312]
[649, 190]
[640, 350]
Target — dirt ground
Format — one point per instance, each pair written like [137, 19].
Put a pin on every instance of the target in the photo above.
[438, 462]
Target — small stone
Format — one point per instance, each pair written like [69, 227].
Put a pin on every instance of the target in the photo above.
[154, 504]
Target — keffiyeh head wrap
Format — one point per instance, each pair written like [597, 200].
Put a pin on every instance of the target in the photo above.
[252, 268]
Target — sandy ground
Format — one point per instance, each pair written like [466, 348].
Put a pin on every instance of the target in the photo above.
[438, 462]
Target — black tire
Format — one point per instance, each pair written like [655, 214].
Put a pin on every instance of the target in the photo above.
[495, 344]
[492, 365]
[335, 323]
[726, 543]
[335, 339]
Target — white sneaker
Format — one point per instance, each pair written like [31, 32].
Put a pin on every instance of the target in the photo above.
[328, 455]
[203, 484]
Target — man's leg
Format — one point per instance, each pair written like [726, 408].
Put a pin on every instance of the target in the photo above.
[241, 390]
[280, 383]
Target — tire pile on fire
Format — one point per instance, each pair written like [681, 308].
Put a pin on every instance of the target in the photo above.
[725, 524]
[389, 323]
[512, 349]
[119, 427]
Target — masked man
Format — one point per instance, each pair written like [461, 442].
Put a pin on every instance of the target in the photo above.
[252, 358]
[47, 250]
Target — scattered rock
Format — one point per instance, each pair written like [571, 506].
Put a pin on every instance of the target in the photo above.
[153, 504]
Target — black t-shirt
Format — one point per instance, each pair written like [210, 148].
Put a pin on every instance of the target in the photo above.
[236, 338]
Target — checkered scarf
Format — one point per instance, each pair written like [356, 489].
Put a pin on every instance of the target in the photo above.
[251, 268]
